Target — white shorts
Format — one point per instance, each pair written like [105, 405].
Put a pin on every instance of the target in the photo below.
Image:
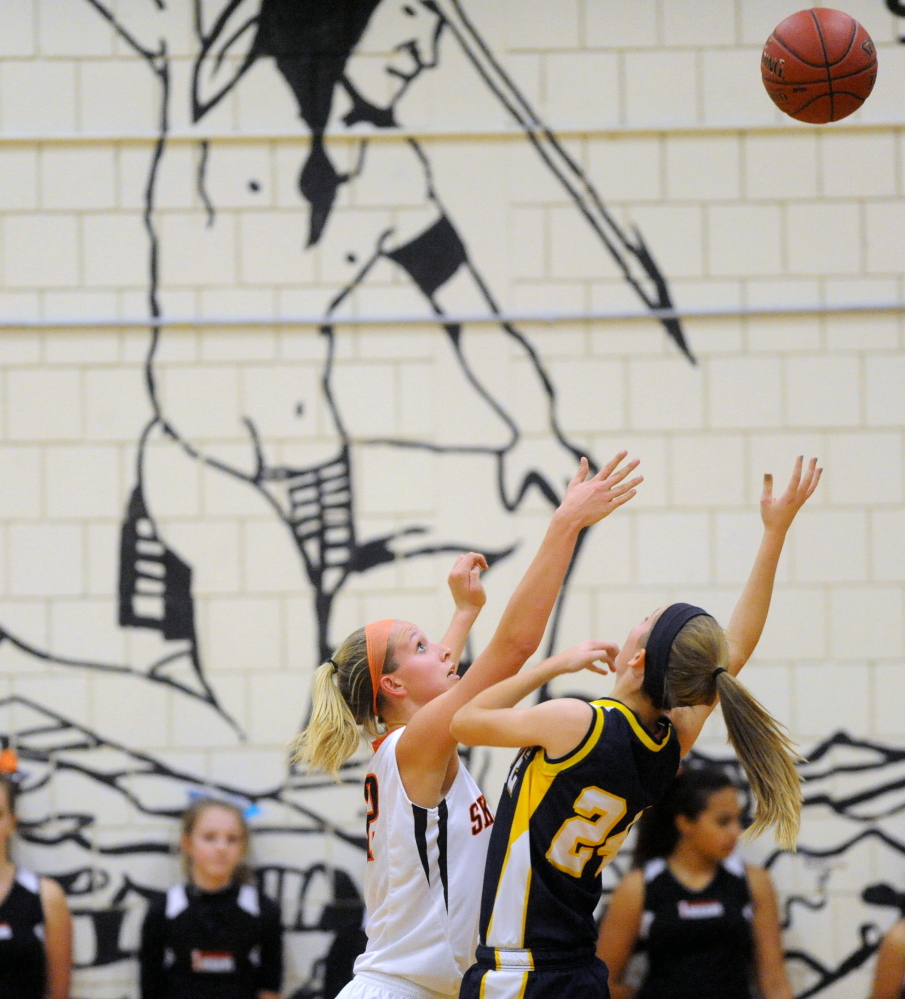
[372, 985]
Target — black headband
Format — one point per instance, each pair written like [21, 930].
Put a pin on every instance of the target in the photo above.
[659, 643]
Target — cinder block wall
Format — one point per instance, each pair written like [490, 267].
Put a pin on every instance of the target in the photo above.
[168, 324]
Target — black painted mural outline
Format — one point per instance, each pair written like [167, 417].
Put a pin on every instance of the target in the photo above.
[315, 503]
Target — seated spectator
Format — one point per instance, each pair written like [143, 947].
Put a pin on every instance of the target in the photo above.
[215, 936]
[708, 922]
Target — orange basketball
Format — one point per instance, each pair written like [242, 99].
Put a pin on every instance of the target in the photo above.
[819, 65]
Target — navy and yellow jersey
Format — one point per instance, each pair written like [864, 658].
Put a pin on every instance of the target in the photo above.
[560, 822]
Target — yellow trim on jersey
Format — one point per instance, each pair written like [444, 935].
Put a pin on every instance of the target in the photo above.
[637, 727]
[584, 747]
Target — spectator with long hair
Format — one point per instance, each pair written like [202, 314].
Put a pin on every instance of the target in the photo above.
[708, 922]
[35, 925]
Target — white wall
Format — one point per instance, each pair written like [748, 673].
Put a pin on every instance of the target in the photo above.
[660, 106]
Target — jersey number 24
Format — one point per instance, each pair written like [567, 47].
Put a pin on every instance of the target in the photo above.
[587, 833]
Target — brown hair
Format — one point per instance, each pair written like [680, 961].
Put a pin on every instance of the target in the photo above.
[190, 818]
[762, 745]
[11, 787]
[341, 701]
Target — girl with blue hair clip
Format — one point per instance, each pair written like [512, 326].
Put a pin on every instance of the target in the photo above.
[215, 935]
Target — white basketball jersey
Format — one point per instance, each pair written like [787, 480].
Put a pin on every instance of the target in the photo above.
[424, 876]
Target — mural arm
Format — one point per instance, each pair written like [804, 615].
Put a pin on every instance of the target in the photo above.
[490, 354]
[620, 929]
[469, 597]
[750, 615]
[57, 939]
[771, 972]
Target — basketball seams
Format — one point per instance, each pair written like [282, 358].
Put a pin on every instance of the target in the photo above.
[791, 51]
[826, 63]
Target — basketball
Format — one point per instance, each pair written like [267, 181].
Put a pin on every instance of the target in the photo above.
[819, 65]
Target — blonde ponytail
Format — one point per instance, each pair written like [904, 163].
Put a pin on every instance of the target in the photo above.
[768, 758]
[341, 701]
[762, 746]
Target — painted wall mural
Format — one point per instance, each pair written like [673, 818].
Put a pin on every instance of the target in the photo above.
[300, 451]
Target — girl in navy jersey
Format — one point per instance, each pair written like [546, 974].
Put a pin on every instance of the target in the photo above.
[590, 770]
[427, 822]
[216, 936]
[708, 922]
[35, 926]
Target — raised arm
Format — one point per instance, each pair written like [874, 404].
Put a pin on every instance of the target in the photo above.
[747, 622]
[469, 597]
[491, 718]
[777, 513]
[426, 746]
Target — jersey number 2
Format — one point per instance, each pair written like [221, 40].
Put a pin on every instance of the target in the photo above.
[585, 834]
[372, 800]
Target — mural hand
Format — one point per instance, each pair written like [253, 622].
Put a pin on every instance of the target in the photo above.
[778, 512]
[465, 582]
[590, 499]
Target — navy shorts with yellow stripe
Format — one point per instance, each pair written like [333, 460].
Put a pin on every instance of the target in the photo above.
[534, 974]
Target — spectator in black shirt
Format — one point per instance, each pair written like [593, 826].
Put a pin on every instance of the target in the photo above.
[35, 926]
[216, 936]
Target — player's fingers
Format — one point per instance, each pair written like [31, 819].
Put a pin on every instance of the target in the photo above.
[807, 478]
[767, 494]
[796, 474]
[814, 482]
[581, 474]
[607, 469]
[624, 498]
[621, 473]
[625, 486]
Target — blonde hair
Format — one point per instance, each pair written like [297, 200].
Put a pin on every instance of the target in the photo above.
[190, 818]
[762, 745]
[342, 699]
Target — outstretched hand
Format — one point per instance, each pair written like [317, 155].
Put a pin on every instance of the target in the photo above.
[778, 512]
[587, 655]
[465, 582]
[590, 499]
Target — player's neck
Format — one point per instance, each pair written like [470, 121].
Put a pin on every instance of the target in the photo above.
[691, 867]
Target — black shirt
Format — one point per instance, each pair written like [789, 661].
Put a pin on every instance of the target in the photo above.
[699, 943]
[23, 962]
[211, 945]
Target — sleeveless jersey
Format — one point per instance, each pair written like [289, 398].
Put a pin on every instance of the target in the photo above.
[23, 963]
[560, 822]
[699, 943]
[423, 876]
[211, 945]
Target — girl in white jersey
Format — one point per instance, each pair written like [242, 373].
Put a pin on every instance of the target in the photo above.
[427, 821]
